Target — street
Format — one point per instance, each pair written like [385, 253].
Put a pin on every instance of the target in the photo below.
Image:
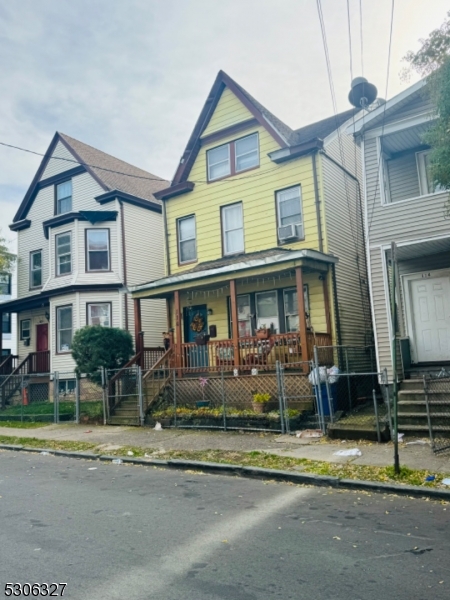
[119, 531]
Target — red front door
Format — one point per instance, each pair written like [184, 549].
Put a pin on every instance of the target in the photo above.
[42, 337]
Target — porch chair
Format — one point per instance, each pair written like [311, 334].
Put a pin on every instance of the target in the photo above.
[260, 357]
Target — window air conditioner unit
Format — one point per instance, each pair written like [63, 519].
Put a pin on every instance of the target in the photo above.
[289, 231]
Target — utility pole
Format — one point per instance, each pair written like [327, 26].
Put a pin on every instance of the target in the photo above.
[394, 353]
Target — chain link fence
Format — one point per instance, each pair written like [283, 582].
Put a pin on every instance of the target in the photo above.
[436, 392]
[50, 398]
[353, 397]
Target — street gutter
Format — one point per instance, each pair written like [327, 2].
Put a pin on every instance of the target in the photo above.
[250, 472]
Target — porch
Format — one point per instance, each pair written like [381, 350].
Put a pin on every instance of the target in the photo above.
[274, 308]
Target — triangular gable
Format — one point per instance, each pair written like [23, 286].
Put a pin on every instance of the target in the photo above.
[389, 108]
[278, 130]
[111, 174]
[72, 168]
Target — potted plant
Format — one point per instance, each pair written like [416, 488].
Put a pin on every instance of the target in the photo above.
[262, 333]
[260, 401]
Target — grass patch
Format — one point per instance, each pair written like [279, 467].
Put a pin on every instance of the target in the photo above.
[266, 460]
[53, 444]
[44, 411]
[22, 425]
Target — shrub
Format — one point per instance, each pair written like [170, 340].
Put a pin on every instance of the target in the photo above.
[95, 346]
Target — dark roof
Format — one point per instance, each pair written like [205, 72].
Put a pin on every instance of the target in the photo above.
[236, 258]
[113, 175]
[321, 129]
[284, 135]
[128, 179]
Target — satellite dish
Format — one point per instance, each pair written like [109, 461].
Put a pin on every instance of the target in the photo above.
[362, 93]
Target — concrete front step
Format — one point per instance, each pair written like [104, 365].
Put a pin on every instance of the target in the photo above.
[125, 412]
[123, 421]
[420, 406]
[357, 432]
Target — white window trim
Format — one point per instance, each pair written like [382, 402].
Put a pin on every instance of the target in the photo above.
[209, 165]
[58, 200]
[245, 153]
[90, 304]
[58, 329]
[22, 337]
[225, 231]
[32, 287]
[191, 260]
[277, 201]
[88, 266]
[58, 273]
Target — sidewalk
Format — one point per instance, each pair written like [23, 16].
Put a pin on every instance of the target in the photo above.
[412, 456]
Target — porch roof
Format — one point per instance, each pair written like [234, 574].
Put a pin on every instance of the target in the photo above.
[256, 264]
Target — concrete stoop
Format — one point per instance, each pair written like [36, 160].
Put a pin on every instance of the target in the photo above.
[412, 408]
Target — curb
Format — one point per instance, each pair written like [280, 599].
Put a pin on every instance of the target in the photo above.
[251, 473]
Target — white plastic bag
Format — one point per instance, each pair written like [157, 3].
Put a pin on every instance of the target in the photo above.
[333, 374]
[317, 377]
[158, 426]
[349, 452]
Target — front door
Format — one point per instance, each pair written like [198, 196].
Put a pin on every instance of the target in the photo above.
[42, 337]
[431, 318]
[196, 323]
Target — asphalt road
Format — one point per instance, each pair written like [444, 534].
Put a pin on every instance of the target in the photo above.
[129, 532]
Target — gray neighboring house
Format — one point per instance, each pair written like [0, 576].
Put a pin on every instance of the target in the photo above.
[402, 205]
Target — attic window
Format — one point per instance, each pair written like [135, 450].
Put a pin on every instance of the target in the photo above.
[64, 197]
[232, 158]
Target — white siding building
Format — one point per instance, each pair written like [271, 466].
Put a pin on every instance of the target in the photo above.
[88, 227]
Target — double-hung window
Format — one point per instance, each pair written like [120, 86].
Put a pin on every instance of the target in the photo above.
[64, 328]
[25, 329]
[36, 269]
[187, 246]
[64, 253]
[232, 228]
[5, 284]
[97, 242]
[99, 314]
[291, 308]
[64, 197]
[234, 157]
[290, 217]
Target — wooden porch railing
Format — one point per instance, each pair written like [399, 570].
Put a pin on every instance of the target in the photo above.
[9, 364]
[219, 354]
[150, 356]
[35, 362]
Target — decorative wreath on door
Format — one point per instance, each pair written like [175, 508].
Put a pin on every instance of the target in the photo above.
[197, 323]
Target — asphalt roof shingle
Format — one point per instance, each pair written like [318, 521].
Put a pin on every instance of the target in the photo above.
[117, 174]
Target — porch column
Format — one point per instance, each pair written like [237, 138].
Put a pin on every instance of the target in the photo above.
[234, 322]
[178, 341]
[137, 324]
[302, 315]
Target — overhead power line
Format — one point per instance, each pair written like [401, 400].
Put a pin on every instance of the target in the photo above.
[132, 176]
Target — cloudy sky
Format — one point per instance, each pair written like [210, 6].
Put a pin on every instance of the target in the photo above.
[130, 76]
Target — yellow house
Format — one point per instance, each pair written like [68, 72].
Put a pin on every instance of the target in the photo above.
[263, 239]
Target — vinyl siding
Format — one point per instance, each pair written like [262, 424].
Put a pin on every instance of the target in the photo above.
[345, 239]
[55, 166]
[64, 362]
[419, 217]
[381, 310]
[413, 218]
[256, 190]
[229, 111]
[420, 104]
[37, 317]
[144, 239]
[217, 299]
